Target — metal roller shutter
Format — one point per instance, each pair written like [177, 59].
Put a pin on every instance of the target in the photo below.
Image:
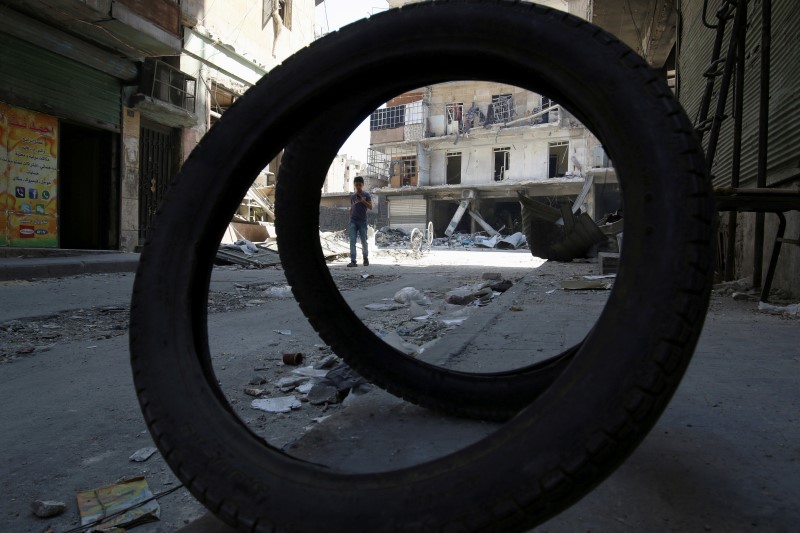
[37, 79]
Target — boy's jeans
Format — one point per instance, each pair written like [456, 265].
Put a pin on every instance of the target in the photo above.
[354, 229]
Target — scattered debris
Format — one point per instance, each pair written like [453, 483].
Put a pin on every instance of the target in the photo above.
[253, 391]
[328, 362]
[791, 311]
[103, 502]
[466, 295]
[245, 253]
[287, 384]
[143, 454]
[48, 508]
[587, 284]
[384, 307]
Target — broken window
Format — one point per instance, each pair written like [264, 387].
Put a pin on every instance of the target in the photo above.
[281, 9]
[404, 171]
[502, 159]
[386, 118]
[453, 168]
[454, 112]
[220, 99]
[502, 108]
[557, 161]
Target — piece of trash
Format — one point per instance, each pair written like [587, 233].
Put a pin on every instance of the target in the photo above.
[550, 291]
[283, 331]
[453, 321]
[284, 404]
[410, 294]
[253, 391]
[384, 307]
[321, 419]
[143, 454]
[48, 508]
[292, 358]
[279, 292]
[366, 276]
[97, 504]
[516, 308]
[580, 284]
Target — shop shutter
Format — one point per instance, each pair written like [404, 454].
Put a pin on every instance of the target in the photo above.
[694, 58]
[40, 80]
[408, 212]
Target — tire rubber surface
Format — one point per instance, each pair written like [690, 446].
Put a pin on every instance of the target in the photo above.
[560, 444]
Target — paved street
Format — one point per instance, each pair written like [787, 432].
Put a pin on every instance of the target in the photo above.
[724, 457]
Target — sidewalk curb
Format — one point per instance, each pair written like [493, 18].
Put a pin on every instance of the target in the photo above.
[57, 267]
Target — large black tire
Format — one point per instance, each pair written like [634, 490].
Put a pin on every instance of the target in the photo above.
[598, 408]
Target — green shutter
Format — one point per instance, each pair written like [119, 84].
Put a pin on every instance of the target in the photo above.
[41, 80]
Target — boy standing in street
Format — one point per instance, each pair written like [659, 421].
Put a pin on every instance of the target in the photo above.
[360, 201]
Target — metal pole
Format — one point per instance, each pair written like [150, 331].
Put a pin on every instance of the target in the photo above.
[738, 106]
[763, 123]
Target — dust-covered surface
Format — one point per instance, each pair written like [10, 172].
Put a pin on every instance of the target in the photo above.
[72, 421]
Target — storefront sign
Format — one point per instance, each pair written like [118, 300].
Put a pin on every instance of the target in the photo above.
[29, 182]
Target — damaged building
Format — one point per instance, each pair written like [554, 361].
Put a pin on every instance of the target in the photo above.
[459, 154]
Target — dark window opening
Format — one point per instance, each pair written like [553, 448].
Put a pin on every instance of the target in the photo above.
[454, 168]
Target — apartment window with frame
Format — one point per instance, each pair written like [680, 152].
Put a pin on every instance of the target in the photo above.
[408, 170]
[387, 118]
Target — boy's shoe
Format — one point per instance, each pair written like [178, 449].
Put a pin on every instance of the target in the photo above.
[366, 262]
[352, 264]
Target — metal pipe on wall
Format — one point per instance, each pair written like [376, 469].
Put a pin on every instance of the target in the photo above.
[763, 126]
